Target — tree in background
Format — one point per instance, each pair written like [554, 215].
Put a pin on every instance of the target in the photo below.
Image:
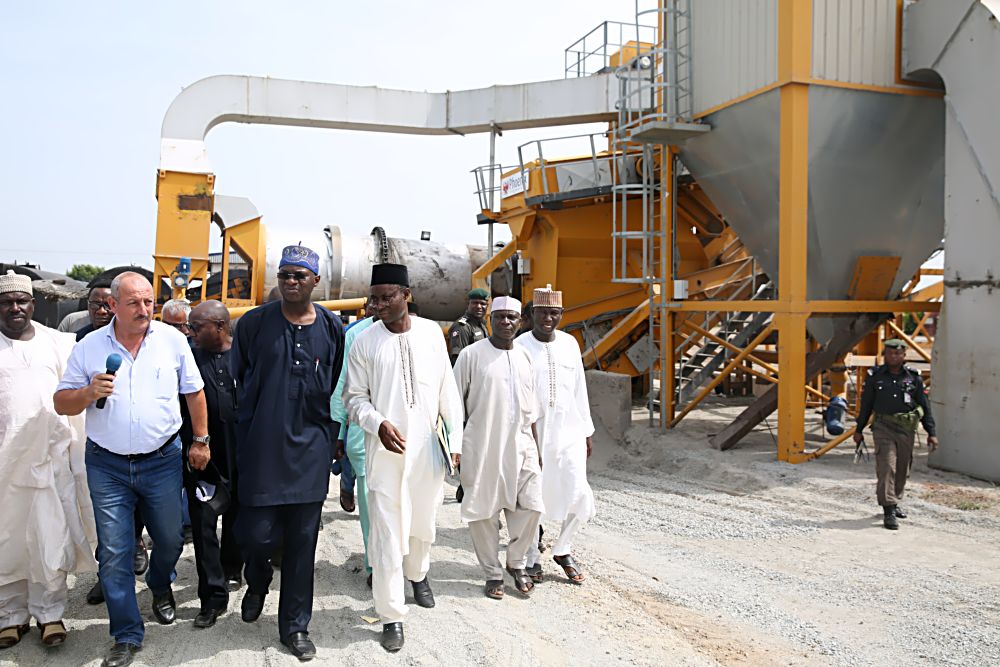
[84, 272]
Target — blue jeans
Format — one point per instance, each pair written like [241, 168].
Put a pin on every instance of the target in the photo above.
[343, 468]
[117, 486]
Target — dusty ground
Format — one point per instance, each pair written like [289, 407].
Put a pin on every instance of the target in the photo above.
[696, 557]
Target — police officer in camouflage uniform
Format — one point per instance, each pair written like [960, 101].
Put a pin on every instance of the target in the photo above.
[469, 327]
[896, 395]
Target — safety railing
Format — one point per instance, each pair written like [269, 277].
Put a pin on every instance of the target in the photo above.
[490, 185]
[593, 167]
[656, 85]
[592, 53]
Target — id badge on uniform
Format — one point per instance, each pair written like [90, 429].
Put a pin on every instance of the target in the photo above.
[907, 399]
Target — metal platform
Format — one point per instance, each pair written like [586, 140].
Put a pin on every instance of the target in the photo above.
[666, 133]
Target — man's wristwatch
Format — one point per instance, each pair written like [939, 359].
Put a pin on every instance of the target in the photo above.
[203, 439]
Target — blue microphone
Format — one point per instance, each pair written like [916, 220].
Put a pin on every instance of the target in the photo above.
[113, 363]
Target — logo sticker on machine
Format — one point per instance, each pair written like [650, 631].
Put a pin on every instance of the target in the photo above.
[513, 184]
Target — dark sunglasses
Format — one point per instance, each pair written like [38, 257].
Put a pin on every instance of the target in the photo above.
[298, 276]
[179, 326]
[99, 305]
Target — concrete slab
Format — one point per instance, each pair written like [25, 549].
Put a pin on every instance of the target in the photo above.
[610, 401]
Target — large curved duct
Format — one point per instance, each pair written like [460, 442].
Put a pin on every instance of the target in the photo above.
[262, 100]
[440, 274]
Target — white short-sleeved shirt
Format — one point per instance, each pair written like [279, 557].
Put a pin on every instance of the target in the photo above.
[144, 409]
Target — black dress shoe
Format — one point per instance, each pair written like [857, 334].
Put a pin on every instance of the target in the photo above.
[392, 637]
[347, 501]
[140, 562]
[164, 608]
[422, 594]
[252, 606]
[96, 594]
[898, 511]
[369, 580]
[300, 645]
[459, 493]
[206, 617]
[120, 655]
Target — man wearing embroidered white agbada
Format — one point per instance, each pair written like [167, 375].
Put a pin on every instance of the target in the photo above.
[499, 455]
[48, 523]
[399, 383]
[564, 429]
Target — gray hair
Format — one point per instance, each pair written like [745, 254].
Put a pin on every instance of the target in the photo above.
[178, 306]
[116, 283]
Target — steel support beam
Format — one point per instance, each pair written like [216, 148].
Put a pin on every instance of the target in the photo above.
[794, 63]
[816, 363]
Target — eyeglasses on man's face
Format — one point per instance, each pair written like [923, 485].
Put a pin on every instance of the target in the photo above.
[297, 276]
[180, 326]
[384, 299]
[98, 306]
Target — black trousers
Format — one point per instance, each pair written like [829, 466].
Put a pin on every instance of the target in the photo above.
[261, 530]
[215, 559]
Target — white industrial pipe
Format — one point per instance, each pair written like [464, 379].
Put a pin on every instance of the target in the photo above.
[261, 100]
[440, 274]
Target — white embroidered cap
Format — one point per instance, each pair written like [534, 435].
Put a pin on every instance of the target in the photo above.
[15, 282]
[505, 303]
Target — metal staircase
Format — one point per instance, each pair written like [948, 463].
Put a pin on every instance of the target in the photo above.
[698, 368]
[654, 111]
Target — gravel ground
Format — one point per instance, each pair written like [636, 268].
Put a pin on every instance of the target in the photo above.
[696, 557]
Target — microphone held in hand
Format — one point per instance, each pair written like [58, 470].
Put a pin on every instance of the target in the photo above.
[113, 363]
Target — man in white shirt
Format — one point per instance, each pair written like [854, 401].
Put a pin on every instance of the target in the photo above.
[133, 453]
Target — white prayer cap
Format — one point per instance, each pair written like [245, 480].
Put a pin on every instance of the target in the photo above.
[15, 282]
[505, 303]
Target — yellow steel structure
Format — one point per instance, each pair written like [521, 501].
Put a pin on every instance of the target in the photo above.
[336, 304]
[183, 219]
[184, 216]
[567, 245]
[792, 308]
[249, 240]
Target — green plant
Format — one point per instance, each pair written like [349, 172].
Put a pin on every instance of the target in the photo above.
[84, 272]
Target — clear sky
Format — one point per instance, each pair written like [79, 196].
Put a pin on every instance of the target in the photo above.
[85, 87]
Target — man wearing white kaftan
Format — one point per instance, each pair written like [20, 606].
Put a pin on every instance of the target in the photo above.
[48, 526]
[399, 383]
[499, 456]
[564, 426]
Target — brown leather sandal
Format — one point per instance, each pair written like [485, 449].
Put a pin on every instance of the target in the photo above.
[11, 635]
[53, 634]
[494, 589]
[570, 567]
[522, 582]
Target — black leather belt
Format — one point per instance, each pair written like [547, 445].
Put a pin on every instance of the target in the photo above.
[138, 457]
